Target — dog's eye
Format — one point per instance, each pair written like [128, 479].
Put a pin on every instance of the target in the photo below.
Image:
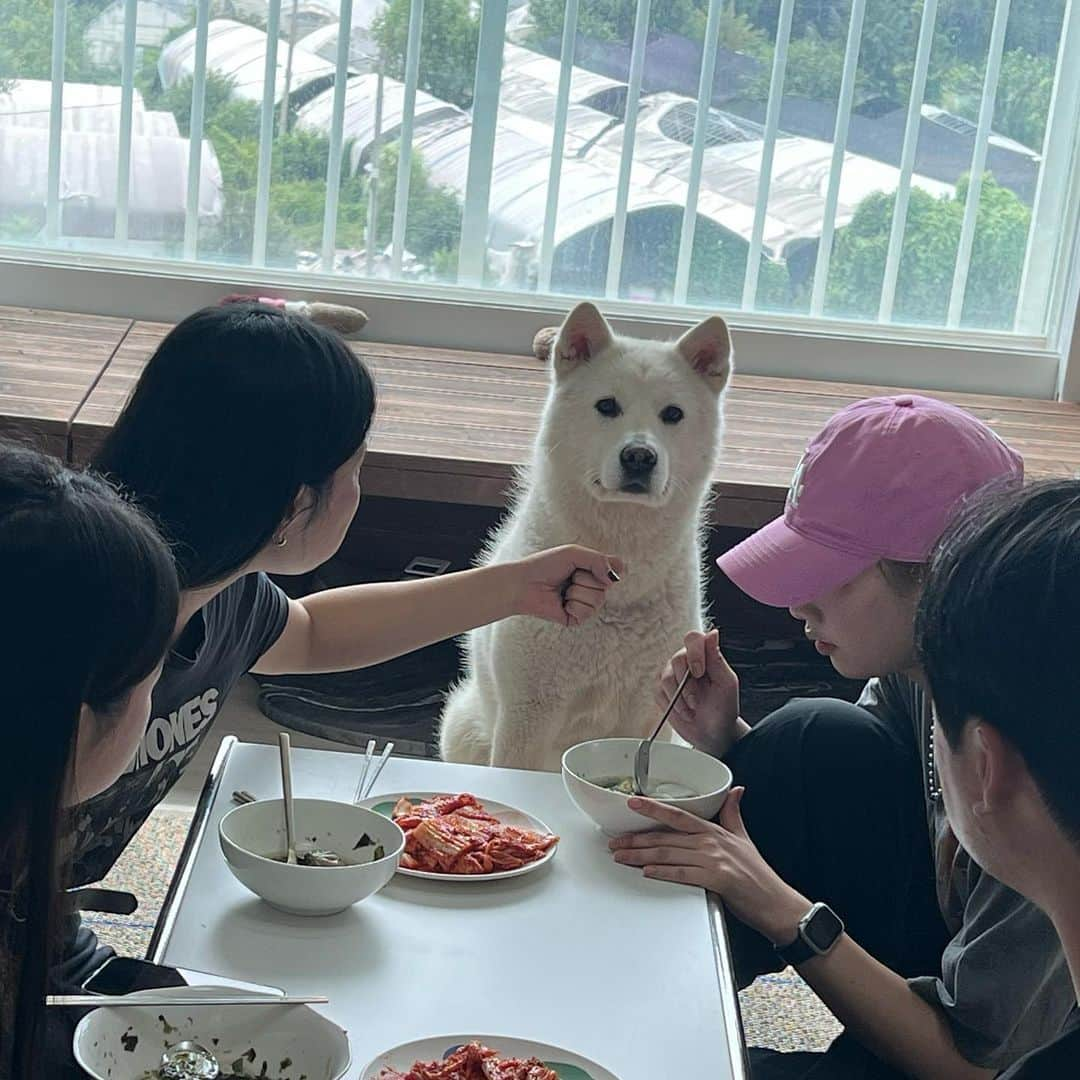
[608, 406]
[671, 415]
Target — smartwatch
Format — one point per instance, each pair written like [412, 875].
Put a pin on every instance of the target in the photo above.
[819, 930]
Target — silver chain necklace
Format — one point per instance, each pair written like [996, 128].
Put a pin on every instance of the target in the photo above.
[933, 784]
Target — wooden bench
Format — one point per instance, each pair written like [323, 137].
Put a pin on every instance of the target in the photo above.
[49, 363]
[453, 425]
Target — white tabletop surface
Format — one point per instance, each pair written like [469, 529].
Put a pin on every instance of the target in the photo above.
[583, 953]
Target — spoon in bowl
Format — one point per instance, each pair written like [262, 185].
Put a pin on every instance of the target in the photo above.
[189, 1061]
[314, 856]
[286, 789]
[641, 758]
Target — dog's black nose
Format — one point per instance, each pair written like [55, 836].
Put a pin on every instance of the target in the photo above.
[638, 459]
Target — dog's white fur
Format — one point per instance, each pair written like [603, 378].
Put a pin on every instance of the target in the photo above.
[532, 689]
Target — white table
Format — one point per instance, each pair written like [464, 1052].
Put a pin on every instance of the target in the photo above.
[583, 953]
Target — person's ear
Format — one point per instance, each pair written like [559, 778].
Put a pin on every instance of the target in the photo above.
[998, 766]
[303, 503]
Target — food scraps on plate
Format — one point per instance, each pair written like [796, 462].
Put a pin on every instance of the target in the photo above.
[454, 834]
[474, 1062]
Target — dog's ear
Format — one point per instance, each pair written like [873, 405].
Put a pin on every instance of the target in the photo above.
[583, 335]
[707, 348]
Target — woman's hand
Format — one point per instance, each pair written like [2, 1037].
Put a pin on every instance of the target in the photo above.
[707, 714]
[564, 585]
[721, 858]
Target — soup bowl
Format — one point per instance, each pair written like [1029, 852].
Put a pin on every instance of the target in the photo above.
[253, 841]
[589, 767]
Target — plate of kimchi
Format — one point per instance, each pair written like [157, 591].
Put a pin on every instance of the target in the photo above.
[459, 837]
[487, 1057]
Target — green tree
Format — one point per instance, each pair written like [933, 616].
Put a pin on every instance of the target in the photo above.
[650, 255]
[613, 20]
[814, 69]
[433, 222]
[448, 42]
[298, 186]
[1023, 95]
[26, 30]
[963, 25]
[223, 112]
[886, 54]
[1034, 26]
[827, 18]
[928, 259]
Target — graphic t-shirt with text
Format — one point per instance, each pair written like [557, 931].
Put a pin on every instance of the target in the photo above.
[221, 644]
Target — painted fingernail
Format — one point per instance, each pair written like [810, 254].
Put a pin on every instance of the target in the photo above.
[611, 574]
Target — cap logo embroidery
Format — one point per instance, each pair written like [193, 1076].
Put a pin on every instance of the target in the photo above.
[796, 489]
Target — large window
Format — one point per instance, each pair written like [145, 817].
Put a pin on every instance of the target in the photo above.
[837, 164]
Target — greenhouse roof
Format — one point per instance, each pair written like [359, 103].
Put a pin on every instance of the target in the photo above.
[86, 107]
[237, 52]
[88, 173]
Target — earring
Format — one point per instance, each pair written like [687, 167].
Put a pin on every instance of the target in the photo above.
[282, 540]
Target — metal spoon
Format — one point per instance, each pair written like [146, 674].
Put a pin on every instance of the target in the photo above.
[320, 857]
[286, 787]
[641, 758]
[189, 1060]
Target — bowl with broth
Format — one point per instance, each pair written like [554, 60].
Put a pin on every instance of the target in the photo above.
[345, 853]
[598, 776]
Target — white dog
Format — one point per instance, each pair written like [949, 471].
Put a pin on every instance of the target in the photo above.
[622, 463]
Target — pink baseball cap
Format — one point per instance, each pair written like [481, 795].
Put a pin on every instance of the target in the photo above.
[879, 481]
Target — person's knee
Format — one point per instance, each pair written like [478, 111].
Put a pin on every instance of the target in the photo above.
[825, 723]
[828, 736]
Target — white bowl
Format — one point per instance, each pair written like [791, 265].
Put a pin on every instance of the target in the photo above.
[604, 759]
[251, 835]
[113, 1043]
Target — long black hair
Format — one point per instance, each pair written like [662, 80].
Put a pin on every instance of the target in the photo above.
[89, 596]
[240, 406]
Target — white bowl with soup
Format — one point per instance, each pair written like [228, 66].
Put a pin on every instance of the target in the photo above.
[366, 846]
[599, 779]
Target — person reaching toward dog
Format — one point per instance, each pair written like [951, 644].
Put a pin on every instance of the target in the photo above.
[244, 439]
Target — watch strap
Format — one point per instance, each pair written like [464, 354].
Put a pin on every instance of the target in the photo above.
[798, 952]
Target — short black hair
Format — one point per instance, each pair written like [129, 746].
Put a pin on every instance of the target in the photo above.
[998, 631]
[239, 407]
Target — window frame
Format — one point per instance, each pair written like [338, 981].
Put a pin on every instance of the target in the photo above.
[457, 317]
[1041, 365]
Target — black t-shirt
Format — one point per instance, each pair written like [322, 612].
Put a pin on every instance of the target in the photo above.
[1055, 1061]
[220, 644]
